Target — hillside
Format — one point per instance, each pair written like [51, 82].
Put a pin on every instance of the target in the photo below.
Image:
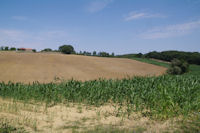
[29, 67]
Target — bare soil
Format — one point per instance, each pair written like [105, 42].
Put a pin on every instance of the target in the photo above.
[42, 67]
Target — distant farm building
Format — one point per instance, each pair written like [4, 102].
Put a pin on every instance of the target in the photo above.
[25, 49]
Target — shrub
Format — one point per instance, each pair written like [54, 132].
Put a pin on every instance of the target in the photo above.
[139, 55]
[178, 67]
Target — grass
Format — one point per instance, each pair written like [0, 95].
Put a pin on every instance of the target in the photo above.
[6, 128]
[113, 129]
[193, 70]
[154, 62]
[189, 125]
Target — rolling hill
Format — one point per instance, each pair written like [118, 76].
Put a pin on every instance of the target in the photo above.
[45, 67]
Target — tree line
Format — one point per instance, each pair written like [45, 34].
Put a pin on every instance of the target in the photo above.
[6, 48]
[190, 57]
[65, 49]
[68, 49]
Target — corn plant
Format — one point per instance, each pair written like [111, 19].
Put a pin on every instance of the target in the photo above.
[161, 97]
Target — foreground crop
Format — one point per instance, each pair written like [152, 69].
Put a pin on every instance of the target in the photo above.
[158, 97]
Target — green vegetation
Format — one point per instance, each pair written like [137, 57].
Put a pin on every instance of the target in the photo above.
[67, 49]
[150, 61]
[6, 48]
[113, 129]
[193, 69]
[94, 53]
[6, 128]
[190, 57]
[46, 50]
[34, 50]
[189, 125]
[178, 67]
[12, 49]
[158, 97]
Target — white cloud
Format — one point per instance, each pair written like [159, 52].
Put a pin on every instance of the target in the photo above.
[38, 40]
[140, 15]
[20, 18]
[171, 30]
[98, 5]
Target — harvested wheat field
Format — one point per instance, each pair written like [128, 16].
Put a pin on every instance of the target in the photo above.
[45, 67]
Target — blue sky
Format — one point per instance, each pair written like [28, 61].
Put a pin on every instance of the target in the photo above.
[120, 26]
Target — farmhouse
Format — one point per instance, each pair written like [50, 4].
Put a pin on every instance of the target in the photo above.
[25, 49]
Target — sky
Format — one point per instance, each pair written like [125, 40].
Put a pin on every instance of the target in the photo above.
[119, 26]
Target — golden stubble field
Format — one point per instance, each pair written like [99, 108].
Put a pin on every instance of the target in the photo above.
[46, 67]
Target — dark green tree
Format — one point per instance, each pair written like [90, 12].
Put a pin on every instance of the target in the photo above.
[67, 49]
[13, 49]
[47, 50]
[6, 48]
[139, 55]
[34, 50]
[94, 53]
[103, 54]
[113, 54]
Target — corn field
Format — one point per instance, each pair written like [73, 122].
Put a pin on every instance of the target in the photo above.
[161, 97]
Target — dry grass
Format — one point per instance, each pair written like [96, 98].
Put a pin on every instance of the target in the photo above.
[64, 118]
[29, 67]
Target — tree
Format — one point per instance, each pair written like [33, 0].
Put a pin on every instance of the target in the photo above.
[103, 54]
[13, 49]
[47, 50]
[94, 53]
[113, 54]
[6, 48]
[67, 49]
[139, 55]
[88, 53]
[80, 52]
[190, 57]
[2, 48]
[34, 50]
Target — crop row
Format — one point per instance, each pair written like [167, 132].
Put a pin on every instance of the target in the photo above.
[162, 96]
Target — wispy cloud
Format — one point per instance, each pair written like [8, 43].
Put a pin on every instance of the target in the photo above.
[141, 15]
[171, 30]
[98, 5]
[39, 40]
[20, 18]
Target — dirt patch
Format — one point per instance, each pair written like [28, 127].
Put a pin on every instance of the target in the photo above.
[29, 67]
